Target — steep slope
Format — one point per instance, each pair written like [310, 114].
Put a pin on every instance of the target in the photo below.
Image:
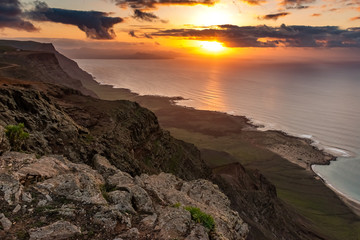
[68, 65]
[63, 121]
[41, 62]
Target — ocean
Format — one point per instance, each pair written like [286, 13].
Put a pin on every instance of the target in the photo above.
[316, 100]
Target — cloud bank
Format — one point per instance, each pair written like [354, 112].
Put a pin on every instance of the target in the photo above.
[11, 16]
[265, 36]
[273, 16]
[96, 25]
[151, 4]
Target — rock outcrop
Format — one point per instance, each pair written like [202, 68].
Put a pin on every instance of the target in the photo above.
[63, 121]
[53, 198]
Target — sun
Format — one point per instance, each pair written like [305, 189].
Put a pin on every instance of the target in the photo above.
[212, 46]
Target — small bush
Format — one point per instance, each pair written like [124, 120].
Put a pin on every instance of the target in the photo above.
[176, 205]
[16, 135]
[200, 217]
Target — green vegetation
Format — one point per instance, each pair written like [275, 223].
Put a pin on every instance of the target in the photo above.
[200, 217]
[22, 234]
[176, 205]
[16, 136]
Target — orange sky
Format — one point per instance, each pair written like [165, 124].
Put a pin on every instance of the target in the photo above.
[240, 13]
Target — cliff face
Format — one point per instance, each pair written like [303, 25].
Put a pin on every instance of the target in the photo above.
[53, 198]
[39, 62]
[69, 66]
[63, 121]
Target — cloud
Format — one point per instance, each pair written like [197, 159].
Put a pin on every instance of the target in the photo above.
[11, 16]
[140, 15]
[273, 16]
[254, 2]
[265, 36]
[132, 34]
[355, 18]
[96, 25]
[151, 4]
[296, 4]
[316, 15]
[144, 35]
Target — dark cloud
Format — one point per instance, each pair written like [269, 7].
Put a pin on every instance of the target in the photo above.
[133, 34]
[265, 36]
[11, 16]
[144, 35]
[145, 16]
[151, 4]
[296, 4]
[147, 36]
[273, 16]
[96, 25]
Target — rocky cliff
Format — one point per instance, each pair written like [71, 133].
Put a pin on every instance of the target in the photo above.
[53, 198]
[63, 121]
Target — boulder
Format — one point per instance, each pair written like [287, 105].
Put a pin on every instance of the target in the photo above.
[56, 231]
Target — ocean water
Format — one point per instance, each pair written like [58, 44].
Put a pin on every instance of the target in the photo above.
[320, 101]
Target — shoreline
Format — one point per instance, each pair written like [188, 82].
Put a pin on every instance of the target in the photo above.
[299, 151]
[350, 202]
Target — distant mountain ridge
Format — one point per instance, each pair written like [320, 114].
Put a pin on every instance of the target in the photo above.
[68, 65]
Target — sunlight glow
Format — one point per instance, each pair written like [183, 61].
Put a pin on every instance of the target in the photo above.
[212, 46]
[210, 16]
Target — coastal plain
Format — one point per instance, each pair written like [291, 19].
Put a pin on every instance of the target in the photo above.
[284, 160]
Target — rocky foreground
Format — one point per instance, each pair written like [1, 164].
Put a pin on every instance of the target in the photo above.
[53, 198]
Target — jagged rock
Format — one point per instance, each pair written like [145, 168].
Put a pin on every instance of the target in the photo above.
[10, 186]
[142, 200]
[107, 217]
[80, 184]
[5, 222]
[120, 180]
[198, 193]
[44, 168]
[149, 221]
[173, 223]
[198, 232]
[26, 197]
[17, 208]
[56, 231]
[103, 166]
[138, 208]
[68, 210]
[122, 199]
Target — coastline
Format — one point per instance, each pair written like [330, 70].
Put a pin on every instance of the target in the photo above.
[188, 124]
[353, 204]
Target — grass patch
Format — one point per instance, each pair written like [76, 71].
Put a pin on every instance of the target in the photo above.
[200, 217]
[16, 136]
[176, 205]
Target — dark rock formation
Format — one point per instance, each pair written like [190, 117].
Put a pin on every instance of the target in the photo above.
[63, 121]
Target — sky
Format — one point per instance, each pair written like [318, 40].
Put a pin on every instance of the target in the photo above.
[113, 28]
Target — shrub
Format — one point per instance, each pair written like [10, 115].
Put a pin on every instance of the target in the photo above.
[177, 205]
[16, 135]
[200, 217]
